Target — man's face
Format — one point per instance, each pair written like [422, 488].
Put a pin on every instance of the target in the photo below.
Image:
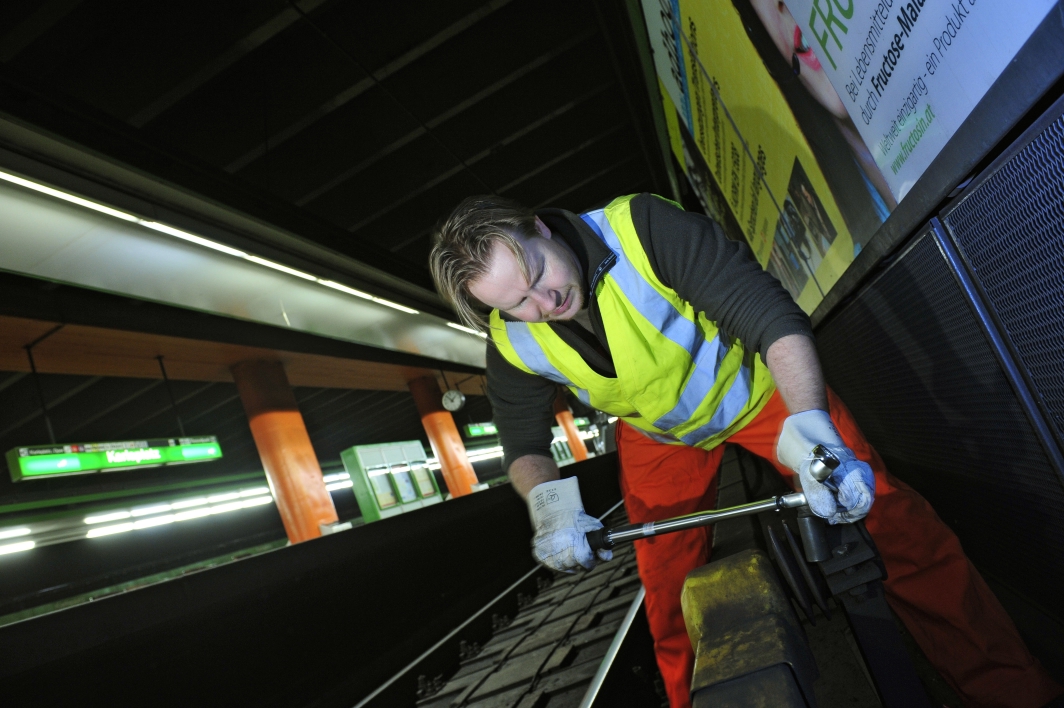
[552, 291]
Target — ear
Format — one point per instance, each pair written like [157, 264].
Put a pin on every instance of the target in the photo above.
[543, 229]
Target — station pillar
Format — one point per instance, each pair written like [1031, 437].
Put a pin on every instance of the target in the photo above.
[443, 436]
[284, 447]
[564, 416]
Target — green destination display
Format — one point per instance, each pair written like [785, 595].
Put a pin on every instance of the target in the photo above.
[477, 430]
[82, 458]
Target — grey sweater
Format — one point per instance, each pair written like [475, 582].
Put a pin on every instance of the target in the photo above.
[690, 254]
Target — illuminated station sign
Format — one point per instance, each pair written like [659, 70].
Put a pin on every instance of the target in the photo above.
[83, 458]
[476, 430]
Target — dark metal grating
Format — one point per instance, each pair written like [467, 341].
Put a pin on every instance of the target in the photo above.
[910, 361]
[1011, 232]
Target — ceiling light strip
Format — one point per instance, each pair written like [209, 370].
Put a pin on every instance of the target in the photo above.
[200, 241]
[463, 328]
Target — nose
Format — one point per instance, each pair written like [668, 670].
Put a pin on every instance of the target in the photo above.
[546, 300]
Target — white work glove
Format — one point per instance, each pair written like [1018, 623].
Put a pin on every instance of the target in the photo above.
[844, 497]
[561, 524]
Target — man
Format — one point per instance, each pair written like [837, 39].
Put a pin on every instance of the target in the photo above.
[651, 314]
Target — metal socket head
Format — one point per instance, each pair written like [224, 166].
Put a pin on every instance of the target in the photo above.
[823, 463]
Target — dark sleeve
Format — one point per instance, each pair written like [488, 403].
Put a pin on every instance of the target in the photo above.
[522, 407]
[691, 254]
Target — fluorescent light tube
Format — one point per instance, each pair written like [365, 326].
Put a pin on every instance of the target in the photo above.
[108, 530]
[15, 532]
[192, 514]
[255, 491]
[257, 501]
[16, 547]
[198, 240]
[104, 518]
[67, 197]
[154, 521]
[470, 330]
[345, 484]
[222, 508]
[198, 501]
[155, 509]
[344, 289]
[395, 306]
[223, 497]
[282, 268]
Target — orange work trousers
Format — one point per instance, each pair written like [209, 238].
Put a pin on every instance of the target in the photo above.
[932, 586]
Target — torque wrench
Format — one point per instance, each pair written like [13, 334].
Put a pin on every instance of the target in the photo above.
[608, 538]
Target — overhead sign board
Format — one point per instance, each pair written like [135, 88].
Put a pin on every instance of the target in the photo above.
[39, 461]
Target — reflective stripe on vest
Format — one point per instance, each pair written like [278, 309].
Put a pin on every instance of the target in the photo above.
[706, 354]
[535, 358]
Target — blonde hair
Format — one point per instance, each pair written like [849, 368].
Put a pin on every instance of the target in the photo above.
[461, 251]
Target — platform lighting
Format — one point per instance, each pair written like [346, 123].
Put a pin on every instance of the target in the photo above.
[67, 197]
[282, 268]
[343, 484]
[485, 453]
[154, 521]
[192, 238]
[198, 240]
[470, 330]
[147, 510]
[15, 532]
[186, 503]
[183, 504]
[108, 530]
[16, 547]
[104, 518]
[195, 513]
[192, 513]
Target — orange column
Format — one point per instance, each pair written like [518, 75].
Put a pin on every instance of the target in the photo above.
[443, 436]
[564, 416]
[285, 449]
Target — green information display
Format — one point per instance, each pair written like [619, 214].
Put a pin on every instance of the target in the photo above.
[477, 430]
[390, 478]
[82, 458]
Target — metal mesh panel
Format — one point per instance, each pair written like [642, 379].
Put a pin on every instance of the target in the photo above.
[909, 359]
[1012, 231]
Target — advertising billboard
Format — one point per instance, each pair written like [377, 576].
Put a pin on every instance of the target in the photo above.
[762, 121]
[909, 73]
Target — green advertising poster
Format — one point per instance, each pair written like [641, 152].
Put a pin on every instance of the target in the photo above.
[764, 138]
[43, 461]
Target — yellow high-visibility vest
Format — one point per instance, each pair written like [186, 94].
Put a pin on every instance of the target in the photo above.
[678, 379]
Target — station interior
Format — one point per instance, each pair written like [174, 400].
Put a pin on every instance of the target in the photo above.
[251, 457]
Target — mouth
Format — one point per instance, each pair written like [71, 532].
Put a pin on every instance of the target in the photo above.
[804, 52]
[564, 306]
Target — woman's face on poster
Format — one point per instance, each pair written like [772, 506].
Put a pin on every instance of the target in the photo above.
[787, 36]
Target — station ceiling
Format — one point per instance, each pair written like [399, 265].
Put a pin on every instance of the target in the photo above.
[355, 125]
